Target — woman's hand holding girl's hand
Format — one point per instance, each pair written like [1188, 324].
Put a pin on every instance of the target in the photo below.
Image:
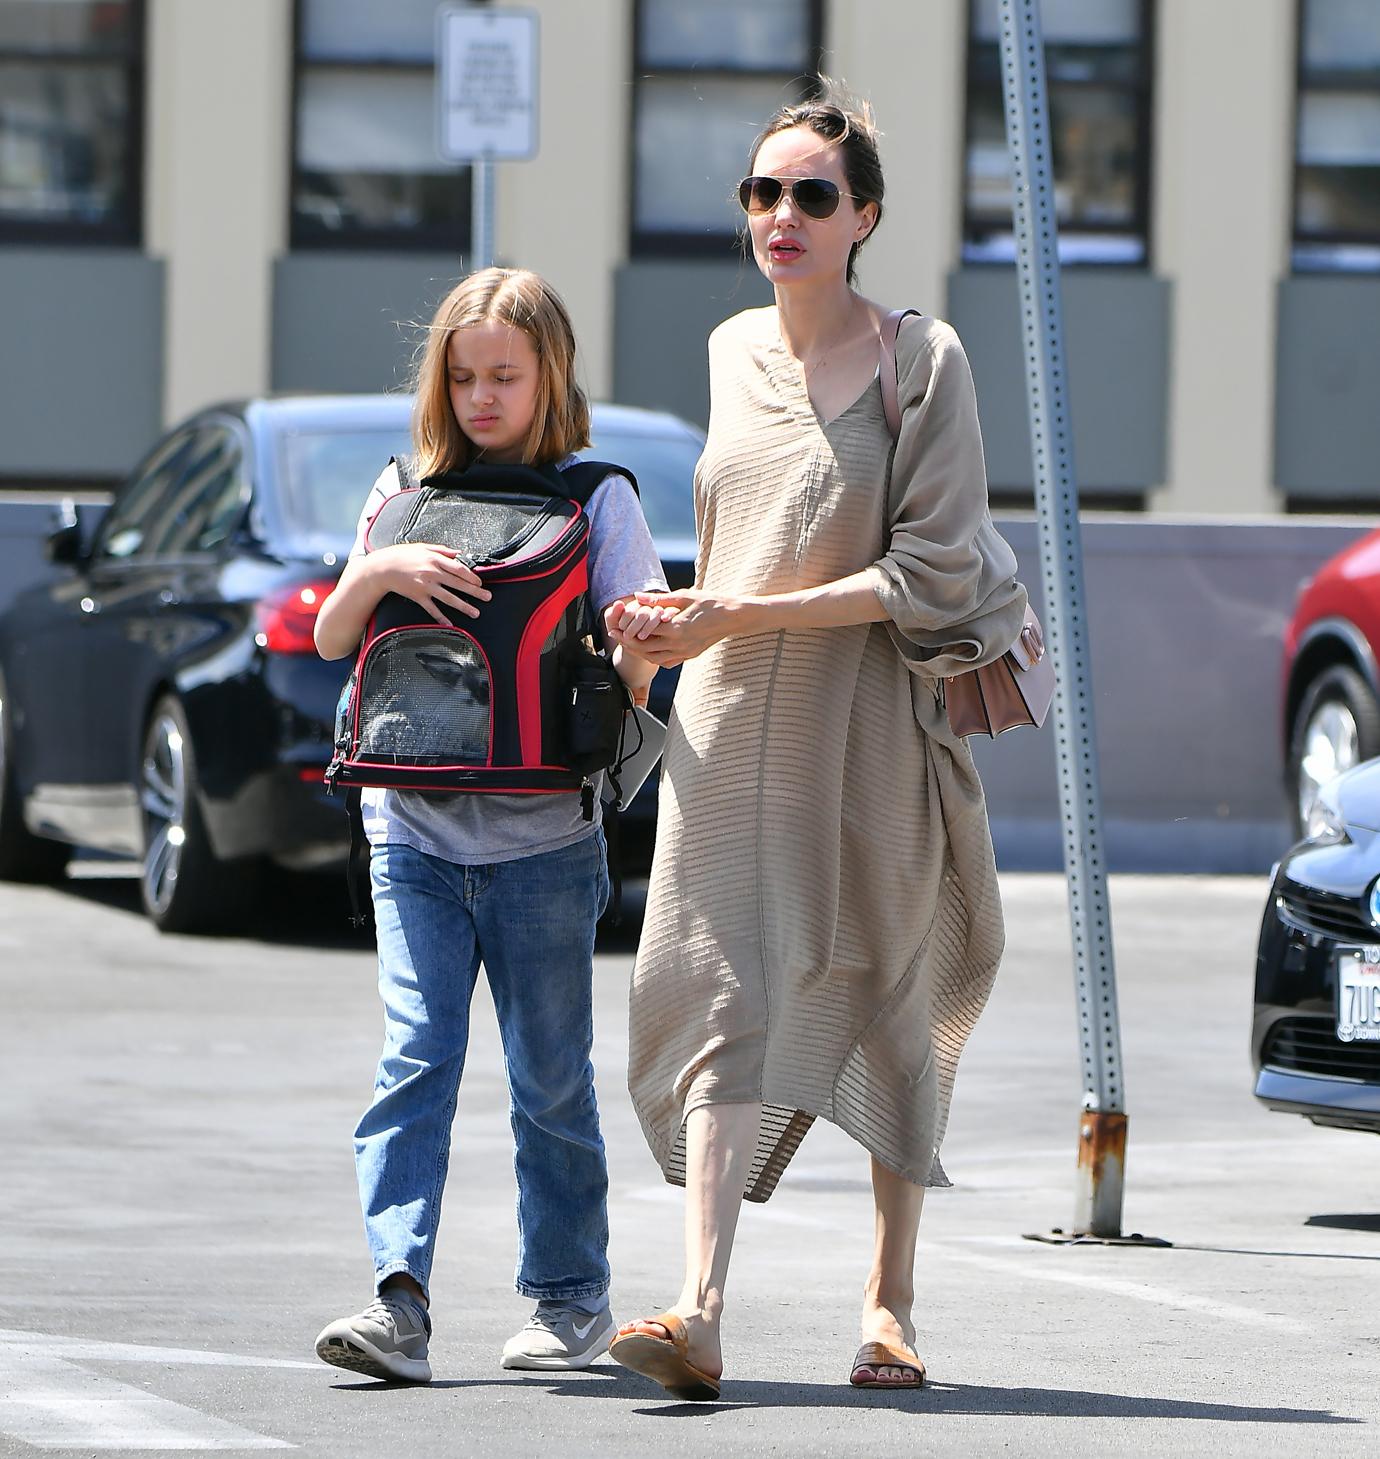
[429, 576]
[690, 622]
[628, 623]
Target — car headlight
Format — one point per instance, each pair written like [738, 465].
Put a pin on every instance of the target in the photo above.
[1325, 823]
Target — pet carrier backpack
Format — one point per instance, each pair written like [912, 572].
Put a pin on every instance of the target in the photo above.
[515, 701]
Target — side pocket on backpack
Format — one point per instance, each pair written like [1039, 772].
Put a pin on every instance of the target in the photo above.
[594, 703]
[344, 716]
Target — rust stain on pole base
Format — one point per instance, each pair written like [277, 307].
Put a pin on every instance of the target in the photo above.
[1101, 1167]
[1101, 1139]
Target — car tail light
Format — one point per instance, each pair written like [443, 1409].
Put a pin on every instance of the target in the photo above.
[287, 617]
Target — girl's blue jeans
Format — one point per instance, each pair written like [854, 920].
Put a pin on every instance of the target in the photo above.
[531, 923]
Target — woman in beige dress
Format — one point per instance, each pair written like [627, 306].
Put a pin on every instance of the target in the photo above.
[823, 921]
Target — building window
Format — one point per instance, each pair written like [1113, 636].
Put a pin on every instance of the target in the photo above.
[366, 171]
[1337, 144]
[707, 76]
[71, 121]
[1098, 66]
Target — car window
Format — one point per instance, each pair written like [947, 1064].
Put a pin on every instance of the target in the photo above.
[326, 477]
[189, 497]
[207, 501]
[665, 469]
[126, 525]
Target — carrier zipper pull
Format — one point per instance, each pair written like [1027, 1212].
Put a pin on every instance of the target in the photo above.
[587, 799]
[332, 775]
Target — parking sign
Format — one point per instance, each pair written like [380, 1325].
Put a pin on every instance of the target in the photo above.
[486, 83]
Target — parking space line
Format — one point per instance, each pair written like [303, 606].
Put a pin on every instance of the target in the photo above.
[76, 1349]
[48, 1402]
[1117, 1287]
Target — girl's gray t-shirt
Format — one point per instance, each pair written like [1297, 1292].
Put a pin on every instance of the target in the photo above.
[475, 830]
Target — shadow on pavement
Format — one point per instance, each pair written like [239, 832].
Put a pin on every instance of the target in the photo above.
[292, 910]
[1301, 1255]
[959, 1398]
[934, 1398]
[1361, 1222]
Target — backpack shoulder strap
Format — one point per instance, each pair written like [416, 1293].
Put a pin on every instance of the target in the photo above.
[406, 479]
[886, 369]
[582, 478]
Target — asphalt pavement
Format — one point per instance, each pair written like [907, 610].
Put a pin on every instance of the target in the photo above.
[178, 1218]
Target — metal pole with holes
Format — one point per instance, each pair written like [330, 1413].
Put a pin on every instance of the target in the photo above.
[482, 214]
[1102, 1125]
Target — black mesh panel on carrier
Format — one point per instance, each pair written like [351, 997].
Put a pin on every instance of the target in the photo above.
[425, 699]
[480, 529]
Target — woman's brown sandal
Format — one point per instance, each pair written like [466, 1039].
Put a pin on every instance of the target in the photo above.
[872, 1357]
[664, 1360]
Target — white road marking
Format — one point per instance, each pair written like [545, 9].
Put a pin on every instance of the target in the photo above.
[1116, 1287]
[48, 1402]
[79, 1349]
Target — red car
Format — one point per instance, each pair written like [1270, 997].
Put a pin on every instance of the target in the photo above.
[1331, 683]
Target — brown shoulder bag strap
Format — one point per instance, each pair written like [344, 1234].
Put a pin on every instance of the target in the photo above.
[891, 329]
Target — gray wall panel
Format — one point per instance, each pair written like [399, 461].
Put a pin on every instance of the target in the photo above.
[81, 357]
[1185, 623]
[664, 312]
[1116, 325]
[1327, 387]
[353, 321]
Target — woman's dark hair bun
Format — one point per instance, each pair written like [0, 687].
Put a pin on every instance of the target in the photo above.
[838, 116]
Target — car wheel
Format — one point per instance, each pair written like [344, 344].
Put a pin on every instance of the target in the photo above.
[23, 856]
[182, 885]
[1337, 726]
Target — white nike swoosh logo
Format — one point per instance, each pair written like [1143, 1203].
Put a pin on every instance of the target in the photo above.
[583, 1332]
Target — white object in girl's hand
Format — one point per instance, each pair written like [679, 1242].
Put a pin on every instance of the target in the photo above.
[642, 758]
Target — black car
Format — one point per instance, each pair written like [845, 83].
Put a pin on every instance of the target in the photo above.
[160, 695]
[1316, 1040]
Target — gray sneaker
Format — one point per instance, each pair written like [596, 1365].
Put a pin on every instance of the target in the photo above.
[560, 1335]
[387, 1340]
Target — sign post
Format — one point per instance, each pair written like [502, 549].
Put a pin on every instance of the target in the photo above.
[486, 93]
[1102, 1122]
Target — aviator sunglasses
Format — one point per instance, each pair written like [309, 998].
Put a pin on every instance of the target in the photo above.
[816, 197]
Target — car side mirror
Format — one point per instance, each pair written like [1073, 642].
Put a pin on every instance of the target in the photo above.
[63, 544]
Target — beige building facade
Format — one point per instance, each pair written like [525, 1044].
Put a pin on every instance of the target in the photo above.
[1216, 366]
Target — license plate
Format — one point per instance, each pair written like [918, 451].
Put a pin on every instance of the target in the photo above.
[1358, 995]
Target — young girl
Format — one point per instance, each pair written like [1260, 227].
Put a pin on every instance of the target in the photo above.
[517, 882]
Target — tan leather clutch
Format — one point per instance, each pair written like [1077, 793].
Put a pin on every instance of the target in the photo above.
[1018, 689]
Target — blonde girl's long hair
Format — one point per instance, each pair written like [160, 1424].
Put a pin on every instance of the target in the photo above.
[526, 301]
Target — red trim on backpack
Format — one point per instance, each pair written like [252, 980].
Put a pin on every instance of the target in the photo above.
[477, 790]
[539, 627]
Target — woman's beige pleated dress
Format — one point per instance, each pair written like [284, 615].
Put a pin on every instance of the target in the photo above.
[823, 922]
